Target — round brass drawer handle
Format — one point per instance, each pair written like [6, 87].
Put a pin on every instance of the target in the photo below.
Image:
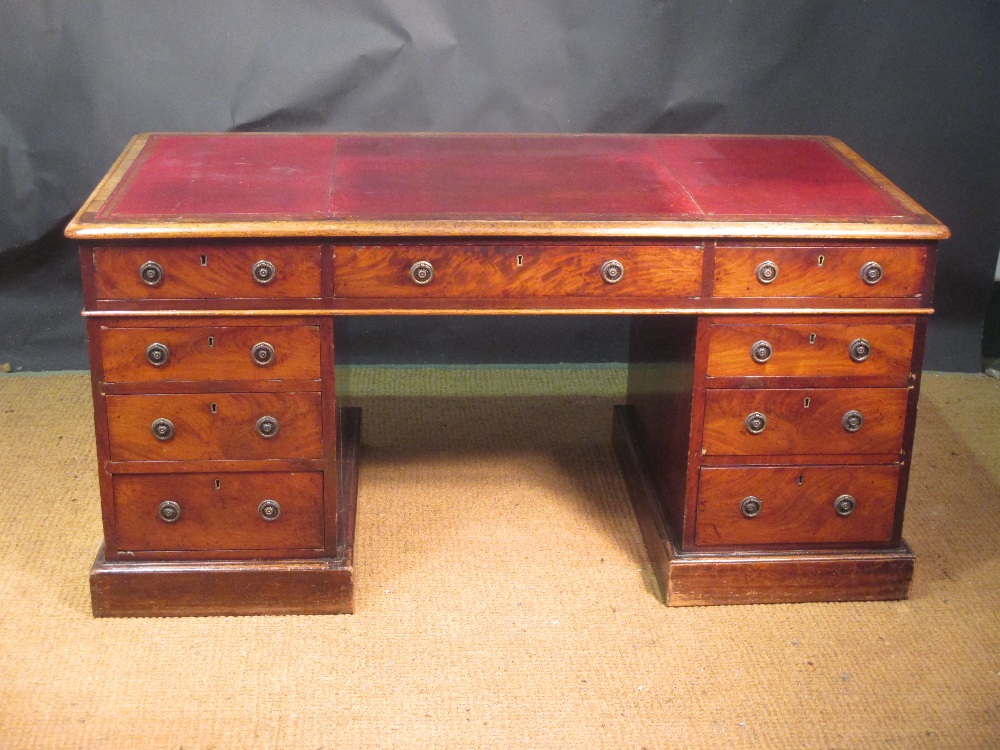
[264, 272]
[860, 350]
[761, 352]
[612, 271]
[168, 511]
[767, 272]
[163, 429]
[422, 272]
[844, 505]
[267, 427]
[755, 423]
[852, 420]
[269, 510]
[751, 506]
[158, 354]
[151, 273]
[871, 273]
[263, 354]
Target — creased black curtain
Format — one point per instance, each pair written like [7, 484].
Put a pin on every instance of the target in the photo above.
[913, 85]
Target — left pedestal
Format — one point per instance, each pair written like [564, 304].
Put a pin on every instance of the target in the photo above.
[228, 476]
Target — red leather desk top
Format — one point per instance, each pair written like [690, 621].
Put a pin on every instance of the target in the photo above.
[424, 183]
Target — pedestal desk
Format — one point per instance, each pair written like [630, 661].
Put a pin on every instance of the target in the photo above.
[777, 288]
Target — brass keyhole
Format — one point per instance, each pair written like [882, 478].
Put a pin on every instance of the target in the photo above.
[214, 408]
[801, 479]
[204, 260]
[821, 260]
[812, 338]
[806, 402]
[520, 261]
[218, 484]
[211, 340]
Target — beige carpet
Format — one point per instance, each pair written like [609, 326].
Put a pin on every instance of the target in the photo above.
[504, 598]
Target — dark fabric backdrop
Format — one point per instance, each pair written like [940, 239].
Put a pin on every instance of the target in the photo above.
[912, 85]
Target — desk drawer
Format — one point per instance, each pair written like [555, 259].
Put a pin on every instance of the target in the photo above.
[857, 272]
[215, 426]
[811, 348]
[157, 272]
[805, 505]
[224, 511]
[811, 421]
[210, 353]
[517, 271]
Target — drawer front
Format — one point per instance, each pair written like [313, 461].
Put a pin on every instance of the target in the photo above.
[813, 349]
[812, 421]
[518, 271]
[215, 426]
[857, 272]
[219, 511]
[796, 505]
[207, 272]
[210, 353]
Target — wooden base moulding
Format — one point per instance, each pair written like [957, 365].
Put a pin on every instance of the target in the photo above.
[689, 579]
[242, 587]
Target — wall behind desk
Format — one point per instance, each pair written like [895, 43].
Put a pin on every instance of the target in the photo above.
[912, 85]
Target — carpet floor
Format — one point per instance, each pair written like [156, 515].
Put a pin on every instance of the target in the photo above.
[504, 598]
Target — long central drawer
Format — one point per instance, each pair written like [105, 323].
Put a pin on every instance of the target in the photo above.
[517, 271]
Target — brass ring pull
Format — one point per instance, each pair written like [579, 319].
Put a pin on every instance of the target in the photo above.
[262, 354]
[871, 273]
[761, 352]
[844, 505]
[422, 272]
[860, 350]
[852, 420]
[151, 273]
[267, 427]
[264, 272]
[163, 429]
[269, 510]
[751, 506]
[755, 423]
[157, 354]
[767, 272]
[612, 271]
[168, 511]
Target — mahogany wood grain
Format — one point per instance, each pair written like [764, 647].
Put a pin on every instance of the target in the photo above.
[228, 433]
[206, 271]
[210, 353]
[797, 505]
[709, 577]
[497, 271]
[795, 354]
[805, 420]
[219, 511]
[819, 271]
